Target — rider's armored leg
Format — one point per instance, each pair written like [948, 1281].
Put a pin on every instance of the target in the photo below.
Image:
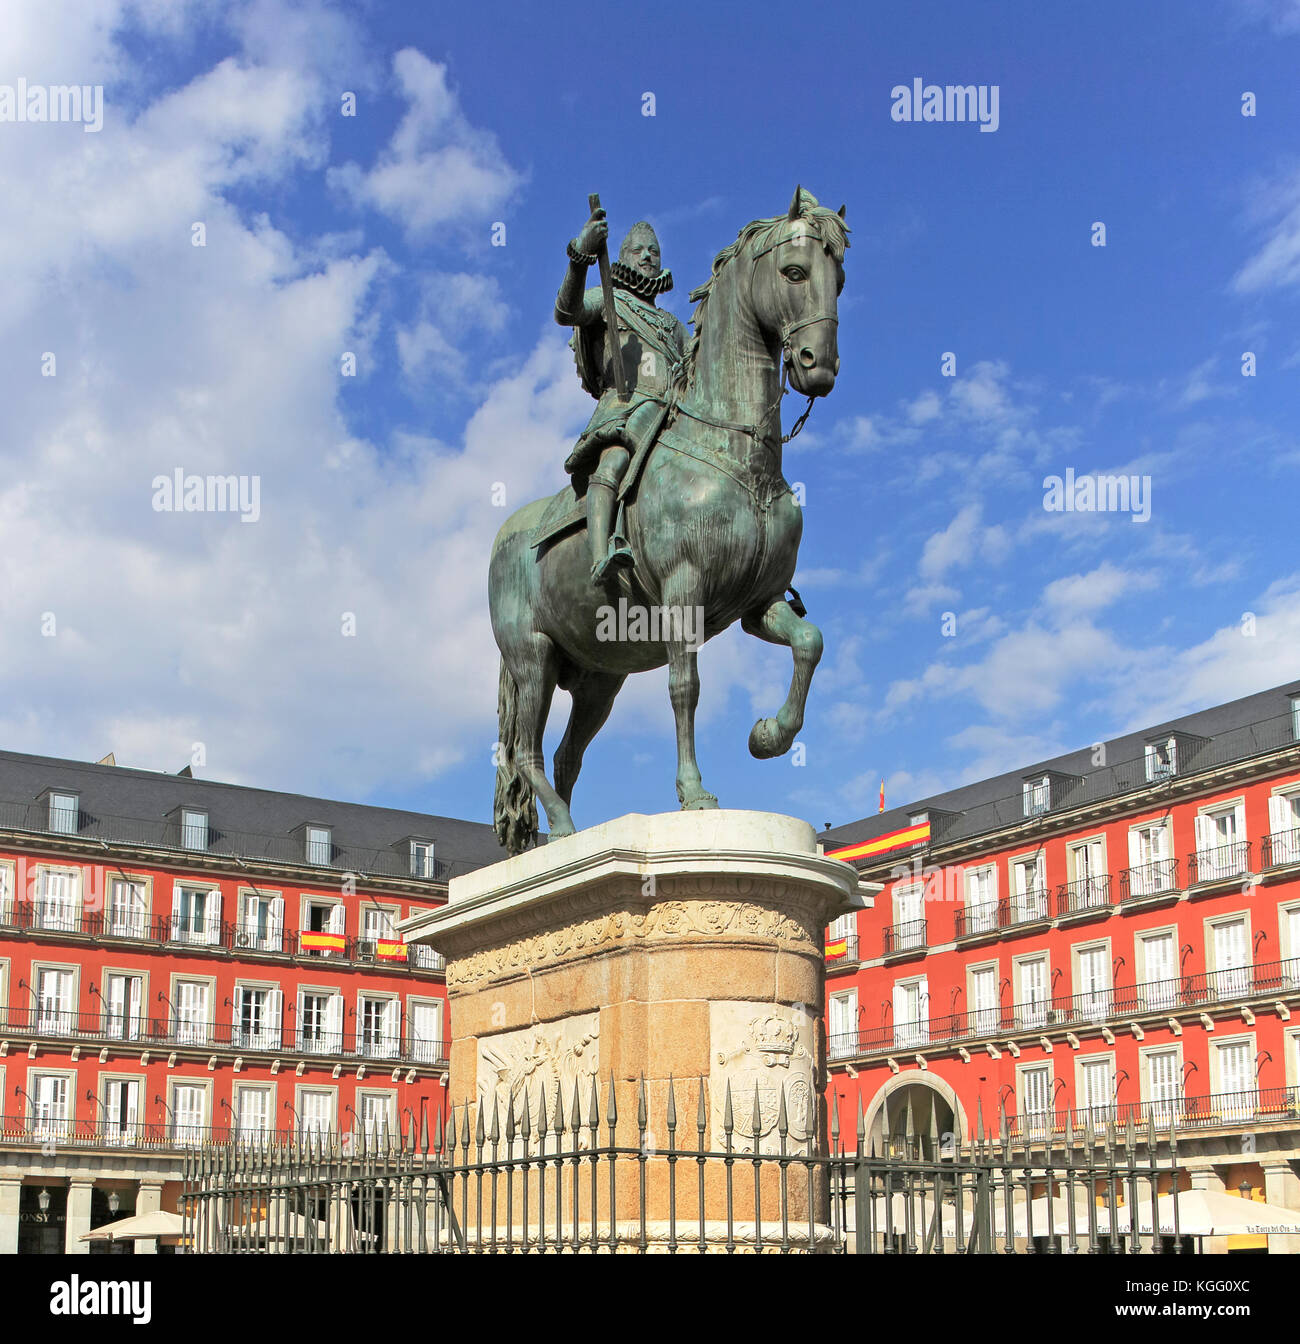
[602, 491]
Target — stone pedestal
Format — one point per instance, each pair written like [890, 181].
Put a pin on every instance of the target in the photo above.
[683, 951]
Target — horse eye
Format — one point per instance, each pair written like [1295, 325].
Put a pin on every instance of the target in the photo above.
[794, 274]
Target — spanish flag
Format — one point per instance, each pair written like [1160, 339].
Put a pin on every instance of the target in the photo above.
[323, 942]
[836, 949]
[882, 793]
[390, 951]
[884, 844]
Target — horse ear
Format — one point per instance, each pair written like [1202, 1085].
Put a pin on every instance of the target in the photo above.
[793, 212]
[840, 212]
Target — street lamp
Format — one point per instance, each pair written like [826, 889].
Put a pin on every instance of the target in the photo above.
[114, 1202]
[43, 1200]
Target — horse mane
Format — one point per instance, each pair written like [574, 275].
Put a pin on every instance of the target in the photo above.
[827, 227]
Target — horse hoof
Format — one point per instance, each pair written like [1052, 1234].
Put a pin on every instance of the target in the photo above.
[764, 740]
[563, 829]
[704, 801]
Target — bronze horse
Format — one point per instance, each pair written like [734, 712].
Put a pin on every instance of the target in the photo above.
[711, 520]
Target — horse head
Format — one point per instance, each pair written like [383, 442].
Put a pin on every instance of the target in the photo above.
[798, 272]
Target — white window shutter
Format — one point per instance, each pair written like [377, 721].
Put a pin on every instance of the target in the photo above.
[274, 1015]
[1203, 840]
[214, 915]
[276, 932]
[1278, 814]
[337, 916]
[177, 904]
[392, 1025]
[334, 1022]
[237, 1013]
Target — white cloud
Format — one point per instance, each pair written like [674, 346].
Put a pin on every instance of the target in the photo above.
[438, 169]
[1276, 262]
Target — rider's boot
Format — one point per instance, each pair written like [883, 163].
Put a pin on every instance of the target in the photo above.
[606, 550]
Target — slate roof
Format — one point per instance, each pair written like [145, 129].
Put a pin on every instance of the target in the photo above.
[118, 802]
[1233, 731]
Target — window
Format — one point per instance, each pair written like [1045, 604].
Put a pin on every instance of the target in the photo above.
[1031, 991]
[1036, 1098]
[1089, 881]
[196, 915]
[909, 923]
[56, 899]
[189, 1107]
[1096, 1088]
[253, 1121]
[379, 1027]
[1289, 928]
[1235, 1061]
[261, 921]
[123, 997]
[1161, 760]
[1221, 842]
[1230, 946]
[842, 1025]
[56, 1002]
[1151, 869]
[325, 919]
[193, 1000]
[51, 1098]
[425, 1026]
[984, 999]
[316, 1109]
[911, 1006]
[320, 1022]
[376, 926]
[981, 899]
[1037, 796]
[1284, 827]
[257, 1018]
[1163, 1078]
[1092, 982]
[1158, 969]
[65, 809]
[128, 908]
[421, 858]
[1030, 888]
[120, 1111]
[1295, 717]
[194, 829]
[6, 893]
[320, 850]
[374, 1113]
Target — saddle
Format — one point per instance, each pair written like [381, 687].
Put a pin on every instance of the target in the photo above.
[567, 510]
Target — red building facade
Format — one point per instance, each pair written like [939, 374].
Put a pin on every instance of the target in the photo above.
[184, 962]
[1110, 936]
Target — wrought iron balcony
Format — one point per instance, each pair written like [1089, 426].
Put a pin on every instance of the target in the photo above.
[1085, 893]
[1279, 849]
[1201, 993]
[834, 960]
[1026, 907]
[906, 937]
[1148, 879]
[241, 939]
[1220, 864]
[248, 1036]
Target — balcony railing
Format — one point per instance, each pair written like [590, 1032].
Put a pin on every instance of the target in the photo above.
[1027, 907]
[1212, 1111]
[845, 958]
[244, 1037]
[905, 937]
[1148, 879]
[1085, 893]
[244, 939]
[1201, 992]
[1218, 864]
[1280, 848]
[160, 1136]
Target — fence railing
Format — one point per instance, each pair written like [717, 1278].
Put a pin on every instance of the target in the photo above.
[1207, 989]
[243, 939]
[1085, 893]
[1148, 879]
[154, 1136]
[589, 1175]
[905, 937]
[1027, 907]
[106, 1027]
[1280, 848]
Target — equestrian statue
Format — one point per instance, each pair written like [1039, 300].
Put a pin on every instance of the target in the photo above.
[676, 483]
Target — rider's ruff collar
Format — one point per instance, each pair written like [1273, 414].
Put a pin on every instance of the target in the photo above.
[624, 277]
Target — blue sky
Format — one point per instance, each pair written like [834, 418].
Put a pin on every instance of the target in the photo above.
[181, 634]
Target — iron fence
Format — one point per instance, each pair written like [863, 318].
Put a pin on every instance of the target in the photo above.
[565, 1173]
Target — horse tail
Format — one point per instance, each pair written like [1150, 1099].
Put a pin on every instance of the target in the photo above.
[514, 806]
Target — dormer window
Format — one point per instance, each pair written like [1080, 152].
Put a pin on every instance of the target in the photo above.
[320, 848]
[1161, 760]
[194, 829]
[1038, 796]
[421, 858]
[64, 811]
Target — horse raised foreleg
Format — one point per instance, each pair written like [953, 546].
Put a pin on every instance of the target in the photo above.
[778, 624]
